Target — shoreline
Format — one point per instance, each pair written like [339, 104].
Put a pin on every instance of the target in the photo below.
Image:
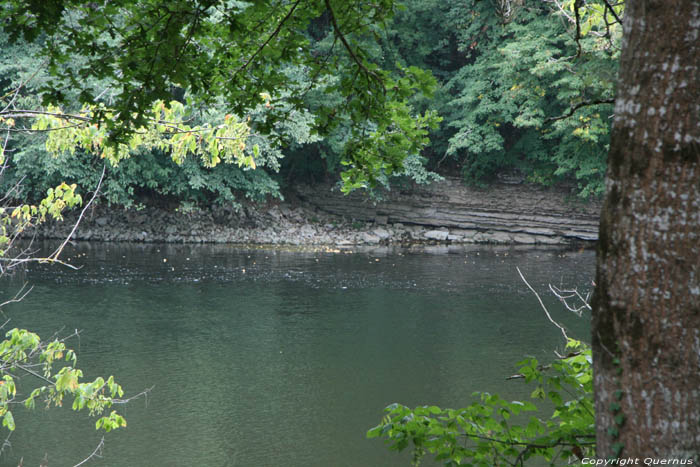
[321, 217]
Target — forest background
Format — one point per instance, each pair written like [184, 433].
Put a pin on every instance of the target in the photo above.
[511, 94]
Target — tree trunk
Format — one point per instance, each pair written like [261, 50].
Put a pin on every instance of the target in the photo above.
[646, 318]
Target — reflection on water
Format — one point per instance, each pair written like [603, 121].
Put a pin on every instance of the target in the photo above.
[272, 357]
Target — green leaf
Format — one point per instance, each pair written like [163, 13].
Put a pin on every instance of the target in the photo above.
[8, 421]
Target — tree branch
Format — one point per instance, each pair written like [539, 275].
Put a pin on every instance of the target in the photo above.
[55, 254]
[558, 442]
[561, 328]
[577, 5]
[272, 36]
[19, 296]
[34, 113]
[573, 109]
[609, 7]
[96, 453]
[347, 46]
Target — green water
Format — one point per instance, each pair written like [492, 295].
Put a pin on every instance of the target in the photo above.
[262, 358]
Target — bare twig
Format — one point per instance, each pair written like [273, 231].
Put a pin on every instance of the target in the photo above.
[16, 262]
[16, 91]
[36, 113]
[96, 453]
[143, 394]
[19, 296]
[577, 5]
[14, 189]
[561, 328]
[6, 443]
[565, 295]
[522, 376]
[27, 369]
[564, 12]
[55, 254]
[607, 350]
[45, 130]
[558, 442]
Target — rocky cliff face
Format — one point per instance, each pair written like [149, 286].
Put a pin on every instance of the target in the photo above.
[445, 212]
[502, 213]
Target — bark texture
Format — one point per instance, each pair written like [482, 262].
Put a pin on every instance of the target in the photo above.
[646, 318]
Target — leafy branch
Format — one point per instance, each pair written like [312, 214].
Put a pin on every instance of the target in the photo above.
[485, 432]
[274, 34]
[350, 50]
[25, 351]
[167, 131]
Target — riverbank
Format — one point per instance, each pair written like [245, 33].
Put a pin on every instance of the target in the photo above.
[442, 213]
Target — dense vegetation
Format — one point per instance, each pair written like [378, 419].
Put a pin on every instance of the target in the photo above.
[495, 431]
[516, 93]
[502, 78]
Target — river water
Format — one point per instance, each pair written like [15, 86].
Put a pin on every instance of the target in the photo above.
[271, 357]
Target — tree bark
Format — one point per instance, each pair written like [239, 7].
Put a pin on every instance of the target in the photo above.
[646, 317]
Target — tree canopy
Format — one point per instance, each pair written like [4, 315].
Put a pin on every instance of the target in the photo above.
[233, 51]
[354, 87]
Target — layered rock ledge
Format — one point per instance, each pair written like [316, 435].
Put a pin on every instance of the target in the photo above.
[451, 211]
[444, 212]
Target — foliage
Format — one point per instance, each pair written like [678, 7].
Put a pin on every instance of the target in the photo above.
[524, 72]
[23, 351]
[143, 50]
[150, 175]
[343, 140]
[50, 365]
[221, 138]
[392, 140]
[15, 220]
[358, 87]
[505, 78]
[166, 131]
[493, 431]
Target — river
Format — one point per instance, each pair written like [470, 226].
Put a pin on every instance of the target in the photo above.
[280, 357]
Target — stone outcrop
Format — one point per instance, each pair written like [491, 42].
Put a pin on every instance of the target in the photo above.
[451, 211]
[443, 213]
